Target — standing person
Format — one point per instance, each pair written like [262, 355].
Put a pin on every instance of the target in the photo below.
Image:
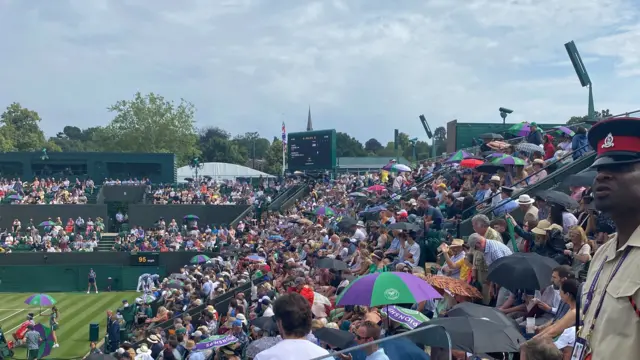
[53, 324]
[92, 281]
[32, 339]
[611, 327]
[143, 282]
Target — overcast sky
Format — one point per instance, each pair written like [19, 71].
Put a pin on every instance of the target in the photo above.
[364, 66]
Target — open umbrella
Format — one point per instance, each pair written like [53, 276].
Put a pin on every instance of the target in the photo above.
[453, 285]
[15, 197]
[375, 209]
[529, 148]
[521, 129]
[178, 276]
[469, 309]
[346, 223]
[498, 145]
[376, 188]
[329, 263]
[47, 223]
[508, 160]
[491, 136]
[276, 237]
[584, 178]
[358, 194]
[40, 300]
[458, 156]
[216, 341]
[478, 336]
[396, 167]
[191, 217]
[409, 319]
[199, 259]
[559, 198]
[559, 130]
[526, 271]
[334, 337]
[146, 298]
[387, 288]
[47, 340]
[175, 284]
[255, 258]
[490, 168]
[260, 345]
[403, 226]
[471, 163]
[324, 211]
[266, 323]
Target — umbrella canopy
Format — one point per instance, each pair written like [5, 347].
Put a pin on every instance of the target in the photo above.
[276, 237]
[15, 197]
[358, 194]
[396, 167]
[47, 336]
[175, 284]
[260, 345]
[479, 336]
[521, 129]
[40, 300]
[559, 198]
[267, 323]
[47, 223]
[454, 286]
[191, 217]
[458, 156]
[376, 188]
[347, 223]
[100, 357]
[469, 309]
[508, 160]
[146, 298]
[387, 288]
[471, 163]
[255, 258]
[490, 168]
[560, 130]
[199, 259]
[216, 341]
[526, 271]
[409, 319]
[584, 178]
[529, 148]
[491, 136]
[178, 276]
[498, 145]
[375, 209]
[329, 263]
[324, 211]
[403, 226]
[334, 337]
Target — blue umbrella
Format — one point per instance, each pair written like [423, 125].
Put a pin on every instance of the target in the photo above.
[375, 209]
[276, 238]
[255, 258]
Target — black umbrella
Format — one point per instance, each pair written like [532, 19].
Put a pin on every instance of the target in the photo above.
[489, 168]
[491, 136]
[100, 357]
[527, 271]
[334, 337]
[347, 223]
[265, 323]
[208, 265]
[559, 198]
[477, 336]
[174, 286]
[469, 309]
[329, 263]
[403, 226]
[584, 178]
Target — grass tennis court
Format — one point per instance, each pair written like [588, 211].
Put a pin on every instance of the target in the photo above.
[77, 311]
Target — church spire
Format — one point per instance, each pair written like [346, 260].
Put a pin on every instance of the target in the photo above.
[309, 124]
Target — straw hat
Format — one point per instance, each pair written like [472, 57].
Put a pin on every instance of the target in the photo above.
[525, 200]
[541, 228]
[456, 243]
[153, 338]
[143, 349]
[190, 344]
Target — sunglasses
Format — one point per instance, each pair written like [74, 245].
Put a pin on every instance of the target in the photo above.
[361, 337]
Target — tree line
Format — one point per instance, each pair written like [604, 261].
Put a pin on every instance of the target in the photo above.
[149, 123]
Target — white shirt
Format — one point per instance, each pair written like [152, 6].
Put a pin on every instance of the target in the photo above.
[567, 338]
[298, 349]
[268, 312]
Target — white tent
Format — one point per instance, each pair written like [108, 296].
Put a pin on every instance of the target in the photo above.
[220, 171]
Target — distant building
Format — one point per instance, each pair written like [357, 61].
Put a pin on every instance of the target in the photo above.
[364, 163]
[460, 135]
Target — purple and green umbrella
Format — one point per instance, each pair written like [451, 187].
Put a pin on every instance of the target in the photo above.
[458, 156]
[409, 319]
[47, 223]
[47, 340]
[508, 160]
[40, 300]
[216, 341]
[396, 167]
[560, 130]
[15, 197]
[175, 284]
[387, 288]
[191, 217]
[324, 211]
[521, 129]
[200, 259]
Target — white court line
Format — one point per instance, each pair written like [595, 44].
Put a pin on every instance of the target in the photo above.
[12, 315]
[11, 309]
[36, 315]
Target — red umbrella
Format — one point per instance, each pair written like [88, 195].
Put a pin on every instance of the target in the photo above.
[471, 163]
[376, 188]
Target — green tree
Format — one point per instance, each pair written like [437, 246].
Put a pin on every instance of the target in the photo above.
[252, 141]
[149, 123]
[581, 119]
[72, 138]
[440, 138]
[372, 146]
[347, 146]
[216, 145]
[274, 158]
[21, 129]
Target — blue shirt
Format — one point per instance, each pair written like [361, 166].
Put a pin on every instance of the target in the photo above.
[504, 207]
[395, 244]
[378, 355]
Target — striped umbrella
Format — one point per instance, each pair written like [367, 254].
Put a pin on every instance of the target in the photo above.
[521, 129]
[560, 130]
[40, 300]
[508, 160]
[529, 148]
[387, 288]
[458, 156]
[200, 259]
[324, 211]
[396, 167]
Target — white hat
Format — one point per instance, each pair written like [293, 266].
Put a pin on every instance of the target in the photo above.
[538, 161]
[360, 223]
[153, 339]
[525, 200]
[143, 349]
[495, 178]
[413, 189]
[412, 202]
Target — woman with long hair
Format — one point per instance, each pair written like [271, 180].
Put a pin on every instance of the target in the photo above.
[569, 294]
[53, 324]
[580, 254]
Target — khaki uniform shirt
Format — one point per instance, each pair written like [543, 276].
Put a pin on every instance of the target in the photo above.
[617, 329]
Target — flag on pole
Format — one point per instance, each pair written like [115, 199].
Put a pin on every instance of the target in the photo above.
[512, 234]
[284, 137]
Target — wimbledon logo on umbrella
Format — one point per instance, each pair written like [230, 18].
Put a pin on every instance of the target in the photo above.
[397, 316]
[391, 294]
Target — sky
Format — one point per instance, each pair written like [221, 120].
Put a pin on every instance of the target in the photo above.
[365, 67]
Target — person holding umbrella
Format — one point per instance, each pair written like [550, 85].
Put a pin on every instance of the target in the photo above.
[53, 324]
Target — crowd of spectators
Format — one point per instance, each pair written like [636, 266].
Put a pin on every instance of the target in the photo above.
[46, 191]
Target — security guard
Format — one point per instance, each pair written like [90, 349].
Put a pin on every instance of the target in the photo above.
[611, 294]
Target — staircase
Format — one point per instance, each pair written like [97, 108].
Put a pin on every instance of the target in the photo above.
[277, 202]
[107, 241]
[92, 198]
[291, 200]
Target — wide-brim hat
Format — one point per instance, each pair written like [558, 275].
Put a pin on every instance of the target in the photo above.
[525, 200]
[541, 228]
[616, 141]
[456, 243]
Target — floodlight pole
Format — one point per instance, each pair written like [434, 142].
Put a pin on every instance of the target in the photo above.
[591, 111]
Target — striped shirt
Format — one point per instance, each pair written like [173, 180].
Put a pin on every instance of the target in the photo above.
[494, 250]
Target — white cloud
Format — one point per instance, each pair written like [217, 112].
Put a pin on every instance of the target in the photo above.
[365, 66]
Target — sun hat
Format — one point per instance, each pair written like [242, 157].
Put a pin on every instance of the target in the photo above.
[495, 178]
[456, 242]
[153, 338]
[541, 228]
[525, 200]
[144, 349]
